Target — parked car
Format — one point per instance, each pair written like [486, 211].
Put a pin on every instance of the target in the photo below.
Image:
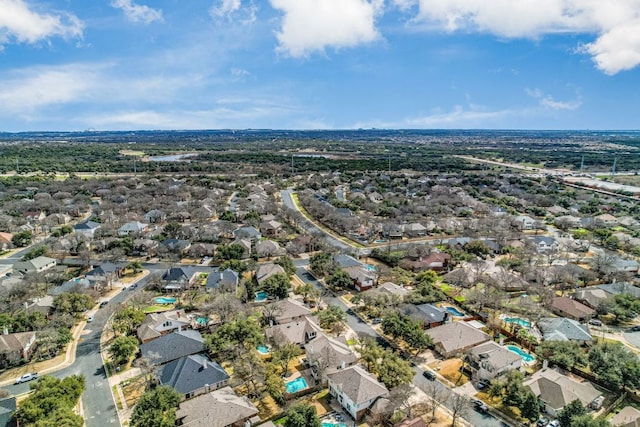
[635, 328]
[27, 377]
[554, 423]
[429, 375]
[482, 384]
[103, 303]
[89, 319]
[376, 320]
[542, 422]
[595, 322]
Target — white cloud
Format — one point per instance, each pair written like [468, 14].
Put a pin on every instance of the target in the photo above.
[234, 10]
[460, 117]
[615, 23]
[547, 101]
[20, 23]
[313, 25]
[138, 13]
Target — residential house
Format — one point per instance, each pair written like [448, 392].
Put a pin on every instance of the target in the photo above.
[606, 220]
[7, 408]
[326, 355]
[545, 244]
[133, 228]
[172, 346]
[356, 390]
[628, 417]
[178, 246]
[155, 325]
[42, 305]
[5, 241]
[569, 221]
[34, 216]
[456, 337]
[268, 270]
[16, 347]
[391, 289]
[620, 288]
[145, 247]
[200, 250]
[626, 265]
[193, 375]
[287, 310]
[591, 297]
[86, 229]
[428, 315]
[415, 230]
[346, 261]
[298, 332]
[270, 228]
[36, 265]
[268, 249]
[219, 408]
[567, 307]
[436, 261]
[555, 390]
[249, 233]
[179, 278]
[106, 273]
[490, 360]
[563, 329]
[246, 247]
[155, 216]
[362, 278]
[524, 222]
[226, 280]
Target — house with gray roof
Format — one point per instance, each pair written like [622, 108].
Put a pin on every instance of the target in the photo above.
[345, 261]
[427, 314]
[219, 408]
[36, 265]
[356, 390]
[456, 337]
[268, 249]
[628, 417]
[563, 329]
[545, 243]
[267, 270]
[172, 346]
[249, 233]
[621, 288]
[298, 332]
[390, 288]
[155, 325]
[326, 354]
[592, 296]
[555, 390]
[133, 228]
[193, 375]
[14, 347]
[87, 228]
[7, 408]
[490, 360]
[226, 280]
[179, 278]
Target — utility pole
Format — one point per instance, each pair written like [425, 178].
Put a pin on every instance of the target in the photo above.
[292, 170]
[389, 163]
[582, 164]
[613, 169]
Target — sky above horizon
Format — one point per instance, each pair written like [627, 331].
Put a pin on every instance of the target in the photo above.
[319, 64]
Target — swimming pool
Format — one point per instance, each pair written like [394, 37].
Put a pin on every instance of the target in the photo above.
[328, 424]
[262, 349]
[454, 311]
[527, 357]
[163, 300]
[519, 321]
[202, 320]
[261, 296]
[296, 385]
[370, 267]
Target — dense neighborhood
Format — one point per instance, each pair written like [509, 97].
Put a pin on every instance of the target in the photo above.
[378, 298]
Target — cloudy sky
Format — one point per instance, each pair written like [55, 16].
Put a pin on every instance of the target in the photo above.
[319, 64]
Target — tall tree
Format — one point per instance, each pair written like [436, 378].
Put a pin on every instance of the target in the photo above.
[51, 401]
[570, 411]
[284, 353]
[123, 348]
[302, 415]
[156, 408]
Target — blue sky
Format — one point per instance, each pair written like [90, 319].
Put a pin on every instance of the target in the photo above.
[319, 64]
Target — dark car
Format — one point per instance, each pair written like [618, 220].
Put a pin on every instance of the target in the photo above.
[350, 312]
[542, 422]
[103, 303]
[635, 328]
[429, 375]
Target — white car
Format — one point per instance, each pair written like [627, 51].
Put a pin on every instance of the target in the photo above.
[89, 319]
[27, 377]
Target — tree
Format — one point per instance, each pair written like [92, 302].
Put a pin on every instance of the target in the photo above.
[530, 408]
[332, 318]
[235, 336]
[135, 266]
[273, 382]
[127, 320]
[570, 411]
[249, 371]
[277, 285]
[392, 370]
[614, 364]
[72, 302]
[565, 353]
[459, 405]
[321, 264]
[302, 415]
[438, 394]
[286, 263]
[51, 401]
[34, 253]
[156, 408]
[229, 252]
[22, 239]
[284, 353]
[515, 392]
[340, 280]
[123, 348]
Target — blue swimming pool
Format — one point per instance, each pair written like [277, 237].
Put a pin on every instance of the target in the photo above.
[527, 357]
[163, 300]
[262, 349]
[454, 311]
[328, 424]
[261, 296]
[371, 267]
[296, 385]
[202, 320]
[518, 321]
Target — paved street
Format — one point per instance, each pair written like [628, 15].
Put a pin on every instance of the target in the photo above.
[360, 327]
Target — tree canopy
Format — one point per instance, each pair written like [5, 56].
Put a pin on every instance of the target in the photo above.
[156, 408]
[51, 402]
[302, 415]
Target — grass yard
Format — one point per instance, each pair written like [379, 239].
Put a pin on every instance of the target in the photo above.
[133, 389]
[450, 369]
[157, 308]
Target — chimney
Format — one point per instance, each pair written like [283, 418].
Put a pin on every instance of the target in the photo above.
[545, 364]
[501, 340]
[342, 365]
[204, 363]
[5, 330]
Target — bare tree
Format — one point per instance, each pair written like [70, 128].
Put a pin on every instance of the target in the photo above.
[459, 406]
[438, 394]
